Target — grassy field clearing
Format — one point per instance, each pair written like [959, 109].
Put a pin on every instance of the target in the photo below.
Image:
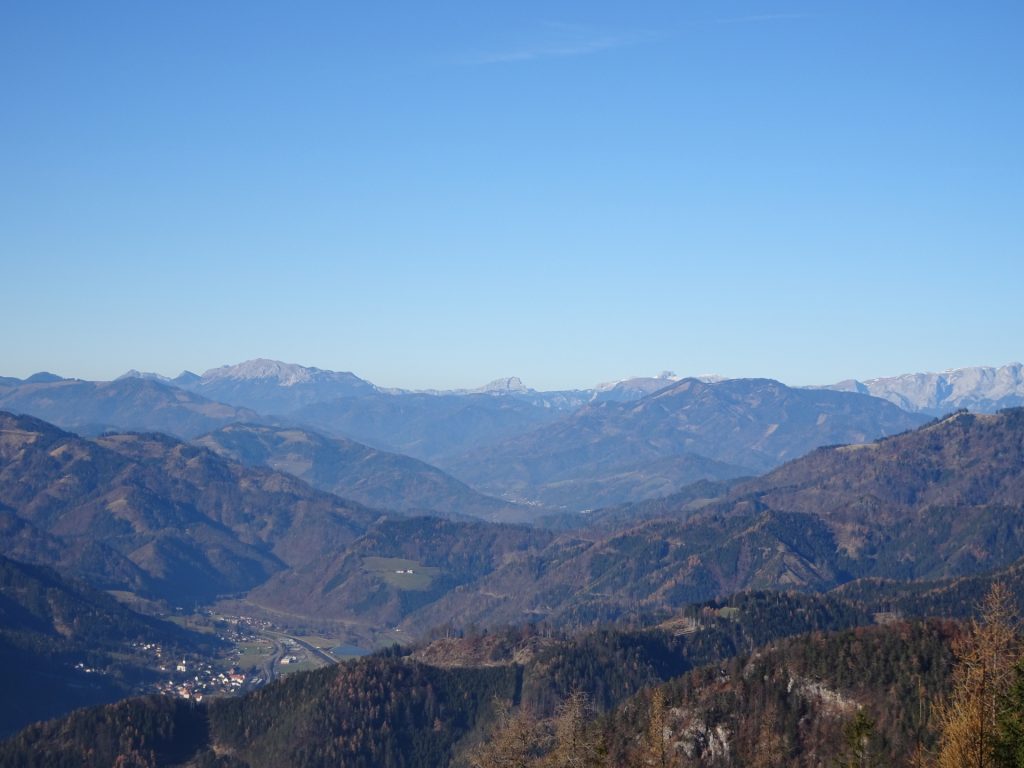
[284, 670]
[254, 654]
[396, 572]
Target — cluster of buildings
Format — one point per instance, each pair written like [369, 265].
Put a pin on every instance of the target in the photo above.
[152, 648]
[201, 680]
[294, 653]
[192, 677]
[246, 624]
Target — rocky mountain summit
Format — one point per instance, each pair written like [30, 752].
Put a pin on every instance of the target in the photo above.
[982, 389]
[270, 386]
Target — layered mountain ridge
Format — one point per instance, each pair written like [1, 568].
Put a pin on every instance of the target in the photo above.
[152, 514]
[613, 452]
[133, 403]
[147, 513]
[354, 471]
[937, 502]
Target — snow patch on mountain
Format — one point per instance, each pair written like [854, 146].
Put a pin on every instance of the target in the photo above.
[147, 375]
[626, 390]
[978, 388]
[261, 369]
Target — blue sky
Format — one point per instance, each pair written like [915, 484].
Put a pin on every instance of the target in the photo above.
[438, 194]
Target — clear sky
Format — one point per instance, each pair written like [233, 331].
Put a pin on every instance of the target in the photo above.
[435, 194]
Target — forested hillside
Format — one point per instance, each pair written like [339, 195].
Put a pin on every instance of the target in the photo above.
[376, 712]
[64, 645]
[149, 513]
[422, 709]
[762, 679]
[940, 502]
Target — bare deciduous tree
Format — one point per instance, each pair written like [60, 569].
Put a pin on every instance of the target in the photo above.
[968, 717]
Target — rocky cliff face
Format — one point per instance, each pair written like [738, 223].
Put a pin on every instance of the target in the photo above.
[982, 388]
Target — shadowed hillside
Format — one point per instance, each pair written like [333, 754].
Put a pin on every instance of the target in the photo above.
[354, 471]
[52, 630]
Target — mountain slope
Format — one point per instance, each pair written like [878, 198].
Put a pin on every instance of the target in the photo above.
[945, 500]
[685, 432]
[432, 707]
[355, 471]
[794, 703]
[397, 567]
[947, 477]
[134, 404]
[426, 426]
[154, 515]
[186, 522]
[52, 629]
[378, 712]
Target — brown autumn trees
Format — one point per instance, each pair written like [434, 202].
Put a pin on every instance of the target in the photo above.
[969, 718]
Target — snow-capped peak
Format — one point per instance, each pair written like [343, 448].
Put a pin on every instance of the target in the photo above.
[261, 369]
[646, 382]
[148, 375]
[981, 388]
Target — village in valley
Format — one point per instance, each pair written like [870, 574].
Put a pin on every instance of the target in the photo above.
[256, 651]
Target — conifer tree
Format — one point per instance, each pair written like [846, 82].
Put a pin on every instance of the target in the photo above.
[1009, 746]
[859, 733]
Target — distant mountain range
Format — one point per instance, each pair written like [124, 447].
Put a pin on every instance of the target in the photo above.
[276, 388]
[92, 407]
[626, 441]
[431, 428]
[272, 387]
[981, 389]
[612, 452]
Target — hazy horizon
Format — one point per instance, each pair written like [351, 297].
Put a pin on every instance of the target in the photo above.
[484, 381]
